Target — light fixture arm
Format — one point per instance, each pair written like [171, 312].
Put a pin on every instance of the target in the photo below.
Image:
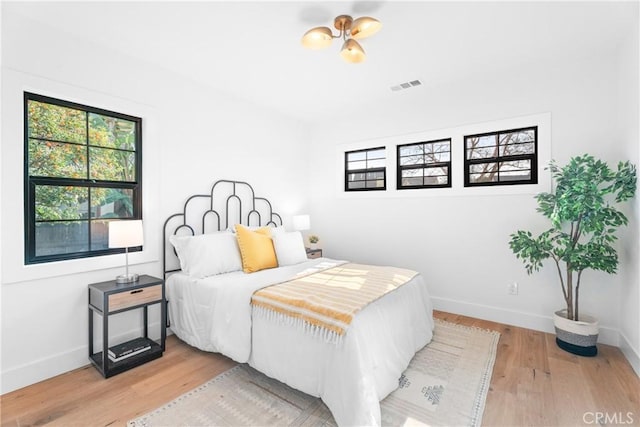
[343, 24]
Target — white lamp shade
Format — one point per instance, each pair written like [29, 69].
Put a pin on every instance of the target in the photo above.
[301, 222]
[125, 233]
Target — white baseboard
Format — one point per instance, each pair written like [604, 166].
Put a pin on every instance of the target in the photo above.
[49, 367]
[533, 321]
[632, 354]
[42, 369]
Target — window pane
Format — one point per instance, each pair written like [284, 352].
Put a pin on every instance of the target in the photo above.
[63, 237]
[375, 184]
[112, 165]
[357, 176]
[439, 157]
[411, 172]
[412, 160]
[356, 184]
[412, 181]
[357, 165]
[376, 163]
[485, 141]
[48, 121]
[375, 175]
[111, 203]
[527, 135]
[375, 154]
[483, 178]
[515, 165]
[356, 155]
[57, 202]
[515, 175]
[411, 150]
[111, 132]
[99, 235]
[435, 171]
[482, 153]
[436, 180]
[515, 170]
[484, 172]
[57, 160]
[516, 149]
[440, 147]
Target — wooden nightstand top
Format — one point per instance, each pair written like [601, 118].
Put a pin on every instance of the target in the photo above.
[111, 287]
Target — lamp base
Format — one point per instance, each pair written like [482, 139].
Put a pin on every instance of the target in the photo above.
[127, 278]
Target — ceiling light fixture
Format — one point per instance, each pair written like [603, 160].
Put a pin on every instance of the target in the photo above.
[350, 29]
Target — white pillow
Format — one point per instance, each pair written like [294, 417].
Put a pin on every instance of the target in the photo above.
[289, 248]
[207, 254]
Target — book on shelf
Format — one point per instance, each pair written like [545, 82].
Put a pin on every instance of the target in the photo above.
[133, 353]
[129, 348]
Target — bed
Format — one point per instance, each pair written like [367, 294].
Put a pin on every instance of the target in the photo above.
[351, 371]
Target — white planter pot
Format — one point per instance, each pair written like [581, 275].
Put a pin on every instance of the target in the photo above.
[577, 337]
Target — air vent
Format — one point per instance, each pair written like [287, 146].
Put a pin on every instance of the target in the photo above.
[406, 85]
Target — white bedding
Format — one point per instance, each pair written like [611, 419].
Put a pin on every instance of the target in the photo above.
[214, 314]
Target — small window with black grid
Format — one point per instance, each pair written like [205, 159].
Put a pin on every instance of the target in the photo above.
[424, 164]
[365, 170]
[501, 158]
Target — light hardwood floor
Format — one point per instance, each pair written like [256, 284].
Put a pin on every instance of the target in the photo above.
[534, 383]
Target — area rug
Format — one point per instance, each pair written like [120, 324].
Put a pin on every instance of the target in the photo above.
[446, 384]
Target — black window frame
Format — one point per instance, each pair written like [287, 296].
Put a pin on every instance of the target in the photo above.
[423, 165]
[30, 183]
[533, 158]
[347, 172]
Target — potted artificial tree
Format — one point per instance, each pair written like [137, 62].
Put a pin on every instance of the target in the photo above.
[583, 226]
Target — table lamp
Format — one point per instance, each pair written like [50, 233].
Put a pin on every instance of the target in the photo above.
[126, 234]
[301, 222]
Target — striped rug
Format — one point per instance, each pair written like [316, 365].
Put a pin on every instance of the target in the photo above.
[445, 384]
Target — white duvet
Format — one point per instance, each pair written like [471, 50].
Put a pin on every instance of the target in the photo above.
[214, 314]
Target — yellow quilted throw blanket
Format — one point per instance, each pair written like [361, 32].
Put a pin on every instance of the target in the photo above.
[326, 302]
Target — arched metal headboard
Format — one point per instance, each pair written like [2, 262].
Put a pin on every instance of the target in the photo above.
[203, 213]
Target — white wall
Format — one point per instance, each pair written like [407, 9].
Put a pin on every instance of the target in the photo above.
[191, 137]
[629, 113]
[457, 240]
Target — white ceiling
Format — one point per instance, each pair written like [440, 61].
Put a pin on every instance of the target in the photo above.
[253, 50]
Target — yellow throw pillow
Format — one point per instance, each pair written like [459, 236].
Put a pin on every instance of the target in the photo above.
[256, 249]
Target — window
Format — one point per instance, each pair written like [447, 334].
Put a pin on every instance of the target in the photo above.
[82, 170]
[501, 158]
[424, 164]
[365, 170]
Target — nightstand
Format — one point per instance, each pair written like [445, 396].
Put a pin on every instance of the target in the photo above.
[109, 298]
[314, 253]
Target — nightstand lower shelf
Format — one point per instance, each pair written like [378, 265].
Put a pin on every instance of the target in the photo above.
[114, 368]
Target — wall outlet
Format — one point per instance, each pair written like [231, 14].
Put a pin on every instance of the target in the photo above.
[512, 289]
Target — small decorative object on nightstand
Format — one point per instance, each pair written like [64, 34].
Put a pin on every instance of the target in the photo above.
[314, 253]
[109, 298]
[313, 241]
